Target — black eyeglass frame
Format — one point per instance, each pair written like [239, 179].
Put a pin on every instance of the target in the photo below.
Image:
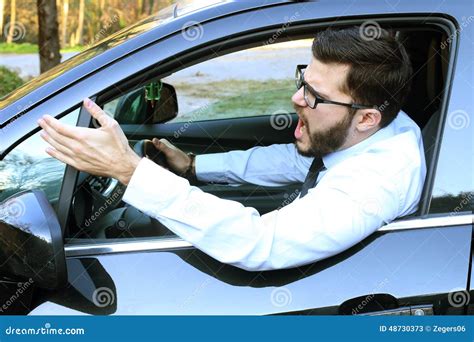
[300, 82]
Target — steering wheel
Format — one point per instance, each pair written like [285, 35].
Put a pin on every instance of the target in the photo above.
[145, 148]
[97, 194]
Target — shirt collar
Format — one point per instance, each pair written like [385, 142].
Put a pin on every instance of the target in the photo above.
[334, 158]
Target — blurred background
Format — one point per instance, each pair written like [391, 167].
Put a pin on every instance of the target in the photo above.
[35, 35]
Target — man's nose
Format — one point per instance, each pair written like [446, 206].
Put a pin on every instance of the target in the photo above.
[298, 98]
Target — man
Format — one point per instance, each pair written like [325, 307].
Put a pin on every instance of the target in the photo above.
[365, 160]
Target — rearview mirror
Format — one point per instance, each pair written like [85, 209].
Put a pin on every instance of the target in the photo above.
[155, 103]
[31, 242]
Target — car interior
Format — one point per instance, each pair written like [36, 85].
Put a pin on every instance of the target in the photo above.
[97, 210]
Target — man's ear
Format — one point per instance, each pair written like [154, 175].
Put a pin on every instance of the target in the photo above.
[368, 119]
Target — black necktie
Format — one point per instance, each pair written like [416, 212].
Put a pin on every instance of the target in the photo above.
[310, 182]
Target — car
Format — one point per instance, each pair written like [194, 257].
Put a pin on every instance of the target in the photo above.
[218, 76]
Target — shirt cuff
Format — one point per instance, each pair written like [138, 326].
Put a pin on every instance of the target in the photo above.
[152, 187]
[210, 168]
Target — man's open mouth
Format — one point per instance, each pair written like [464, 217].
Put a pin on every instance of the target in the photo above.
[299, 129]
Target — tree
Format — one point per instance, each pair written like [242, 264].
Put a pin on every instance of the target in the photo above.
[2, 5]
[80, 25]
[11, 29]
[64, 23]
[48, 34]
[150, 9]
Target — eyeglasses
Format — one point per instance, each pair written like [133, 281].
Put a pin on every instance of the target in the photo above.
[312, 97]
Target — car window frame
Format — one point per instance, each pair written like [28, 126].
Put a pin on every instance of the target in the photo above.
[169, 243]
[456, 47]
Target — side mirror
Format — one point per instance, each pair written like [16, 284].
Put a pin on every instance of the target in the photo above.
[31, 242]
[155, 103]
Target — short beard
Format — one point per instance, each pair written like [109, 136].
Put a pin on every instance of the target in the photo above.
[323, 143]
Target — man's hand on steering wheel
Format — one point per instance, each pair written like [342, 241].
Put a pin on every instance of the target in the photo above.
[178, 161]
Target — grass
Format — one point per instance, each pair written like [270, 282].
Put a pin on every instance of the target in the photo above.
[77, 48]
[238, 98]
[24, 48]
[18, 48]
[9, 80]
[230, 87]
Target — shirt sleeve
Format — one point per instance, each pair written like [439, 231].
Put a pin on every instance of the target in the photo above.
[274, 165]
[332, 217]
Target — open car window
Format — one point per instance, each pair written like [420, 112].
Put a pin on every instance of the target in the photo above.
[251, 82]
[204, 98]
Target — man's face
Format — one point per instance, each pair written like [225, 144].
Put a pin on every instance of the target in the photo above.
[324, 129]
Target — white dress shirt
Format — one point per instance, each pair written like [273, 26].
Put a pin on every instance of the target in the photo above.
[363, 188]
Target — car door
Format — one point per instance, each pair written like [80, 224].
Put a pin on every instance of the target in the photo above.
[396, 252]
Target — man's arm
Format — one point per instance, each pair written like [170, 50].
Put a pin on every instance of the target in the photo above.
[274, 165]
[325, 222]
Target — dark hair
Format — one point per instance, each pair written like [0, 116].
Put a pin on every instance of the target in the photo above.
[380, 70]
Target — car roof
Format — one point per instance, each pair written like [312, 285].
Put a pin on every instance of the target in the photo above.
[166, 22]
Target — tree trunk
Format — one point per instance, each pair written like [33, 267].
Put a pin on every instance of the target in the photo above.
[72, 39]
[48, 34]
[2, 6]
[150, 9]
[80, 26]
[138, 9]
[64, 23]
[101, 11]
[11, 29]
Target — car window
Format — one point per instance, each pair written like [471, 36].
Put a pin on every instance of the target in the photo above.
[29, 167]
[261, 84]
[256, 81]
[251, 82]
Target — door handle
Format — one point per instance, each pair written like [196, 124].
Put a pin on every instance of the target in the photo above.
[416, 310]
[381, 304]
